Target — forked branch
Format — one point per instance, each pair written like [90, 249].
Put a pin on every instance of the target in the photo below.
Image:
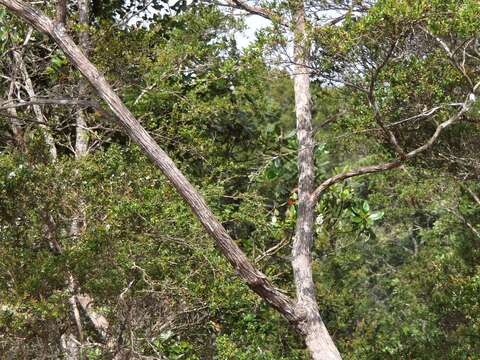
[467, 105]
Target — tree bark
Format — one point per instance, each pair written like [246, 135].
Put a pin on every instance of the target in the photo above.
[255, 279]
[317, 338]
[61, 11]
[81, 140]
[49, 140]
[81, 131]
[15, 124]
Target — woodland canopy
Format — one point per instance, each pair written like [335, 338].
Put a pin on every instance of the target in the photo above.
[168, 194]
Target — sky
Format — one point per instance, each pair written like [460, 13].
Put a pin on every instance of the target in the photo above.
[244, 38]
[254, 23]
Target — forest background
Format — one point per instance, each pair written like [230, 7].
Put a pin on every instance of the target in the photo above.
[101, 258]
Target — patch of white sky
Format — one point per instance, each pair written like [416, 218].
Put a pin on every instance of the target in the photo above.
[253, 24]
[244, 38]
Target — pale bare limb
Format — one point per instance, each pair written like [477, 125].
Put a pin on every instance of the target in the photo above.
[81, 129]
[251, 9]
[274, 249]
[12, 112]
[374, 105]
[318, 340]
[472, 194]
[451, 54]
[466, 106]
[73, 304]
[36, 109]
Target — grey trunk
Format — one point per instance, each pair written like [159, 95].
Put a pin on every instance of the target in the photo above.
[81, 141]
[317, 339]
[49, 140]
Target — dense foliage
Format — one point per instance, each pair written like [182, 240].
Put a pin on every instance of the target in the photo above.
[396, 254]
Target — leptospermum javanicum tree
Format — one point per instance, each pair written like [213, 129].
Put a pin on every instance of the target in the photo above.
[302, 311]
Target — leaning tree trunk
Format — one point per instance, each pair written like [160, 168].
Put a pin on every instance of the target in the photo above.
[254, 278]
[303, 314]
[317, 338]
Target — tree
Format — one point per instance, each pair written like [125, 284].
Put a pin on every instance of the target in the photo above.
[302, 313]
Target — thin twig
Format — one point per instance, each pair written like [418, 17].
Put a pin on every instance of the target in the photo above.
[467, 105]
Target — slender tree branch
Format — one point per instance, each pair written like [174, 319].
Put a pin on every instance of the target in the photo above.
[467, 105]
[63, 102]
[18, 56]
[374, 105]
[459, 216]
[451, 54]
[251, 9]
[274, 249]
[472, 194]
[61, 8]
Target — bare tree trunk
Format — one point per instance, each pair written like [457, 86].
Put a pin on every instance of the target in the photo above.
[15, 124]
[81, 131]
[70, 347]
[81, 141]
[255, 279]
[49, 140]
[317, 339]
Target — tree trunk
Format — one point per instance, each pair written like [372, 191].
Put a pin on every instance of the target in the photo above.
[81, 130]
[317, 339]
[49, 140]
[81, 141]
[255, 279]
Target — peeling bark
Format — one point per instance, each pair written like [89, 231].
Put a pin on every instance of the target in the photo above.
[317, 338]
[81, 141]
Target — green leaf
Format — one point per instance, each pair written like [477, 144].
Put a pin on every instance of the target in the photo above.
[366, 207]
[271, 173]
[376, 215]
